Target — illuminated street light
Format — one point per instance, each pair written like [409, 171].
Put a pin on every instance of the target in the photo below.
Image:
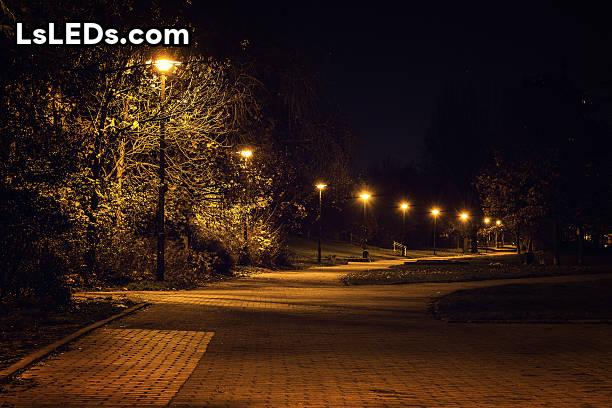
[487, 221]
[163, 66]
[320, 187]
[365, 196]
[404, 206]
[246, 153]
[435, 212]
[498, 223]
[464, 217]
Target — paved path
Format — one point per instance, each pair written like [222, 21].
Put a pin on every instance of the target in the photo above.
[302, 339]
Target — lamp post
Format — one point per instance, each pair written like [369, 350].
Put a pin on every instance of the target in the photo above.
[464, 217]
[365, 196]
[435, 212]
[404, 206]
[320, 187]
[246, 154]
[487, 221]
[498, 223]
[164, 67]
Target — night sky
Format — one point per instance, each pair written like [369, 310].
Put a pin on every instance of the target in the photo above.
[383, 67]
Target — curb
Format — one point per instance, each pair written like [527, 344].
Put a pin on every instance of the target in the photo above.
[552, 321]
[38, 355]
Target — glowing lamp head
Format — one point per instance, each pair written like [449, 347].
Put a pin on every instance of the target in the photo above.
[435, 212]
[487, 220]
[246, 153]
[464, 216]
[498, 222]
[320, 186]
[365, 196]
[164, 65]
[404, 206]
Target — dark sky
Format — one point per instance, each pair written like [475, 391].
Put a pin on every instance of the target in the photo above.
[383, 64]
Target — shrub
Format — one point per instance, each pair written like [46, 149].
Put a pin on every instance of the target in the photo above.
[221, 261]
[31, 235]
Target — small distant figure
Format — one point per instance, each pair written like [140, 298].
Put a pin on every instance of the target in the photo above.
[366, 254]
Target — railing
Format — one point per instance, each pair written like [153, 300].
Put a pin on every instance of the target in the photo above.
[399, 247]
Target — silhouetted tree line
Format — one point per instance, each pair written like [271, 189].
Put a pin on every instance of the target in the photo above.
[535, 156]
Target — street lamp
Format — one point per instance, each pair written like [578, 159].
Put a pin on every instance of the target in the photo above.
[320, 187]
[365, 196]
[498, 223]
[246, 153]
[464, 217]
[487, 221]
[164, 67]
[435, 212]
[404, 206]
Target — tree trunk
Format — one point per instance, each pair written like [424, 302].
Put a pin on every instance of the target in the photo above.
[518, 239]
[91, 261]
[530, 244]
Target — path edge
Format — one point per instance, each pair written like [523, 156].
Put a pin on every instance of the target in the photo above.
[38, 355]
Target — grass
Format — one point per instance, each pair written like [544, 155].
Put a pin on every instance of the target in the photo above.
[26, 329]
[478, 268]
[303, 250]
[538, 302]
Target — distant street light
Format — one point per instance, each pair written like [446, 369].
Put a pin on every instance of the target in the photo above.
[365, 196]
[404, 206]
[435, 212]
[465, 217]
[246, 154]
[487, 221]
[498, 223]
[164, 67]
[320, 187]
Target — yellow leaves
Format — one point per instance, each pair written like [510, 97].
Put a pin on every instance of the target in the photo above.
[135, 125]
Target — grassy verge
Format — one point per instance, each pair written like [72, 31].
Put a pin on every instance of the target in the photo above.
[541, 302]
[26, 329]
[303, 252]
[481, 268]
[333, 252]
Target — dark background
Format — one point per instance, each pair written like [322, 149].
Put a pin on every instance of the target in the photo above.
[385, 67]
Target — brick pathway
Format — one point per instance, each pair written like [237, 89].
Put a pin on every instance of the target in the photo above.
[293, 339]
[112, 367]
